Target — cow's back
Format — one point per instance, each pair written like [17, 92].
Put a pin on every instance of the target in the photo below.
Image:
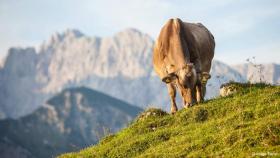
[202, 42]
[169, 50]
[184, 41]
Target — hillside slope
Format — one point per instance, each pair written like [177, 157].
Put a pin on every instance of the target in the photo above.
[244, 124]
[71, 120]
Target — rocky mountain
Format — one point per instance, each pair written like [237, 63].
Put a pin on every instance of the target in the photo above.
[19, 86]
[120, 66]
[269, 73]
[71, 120]
[113, 64]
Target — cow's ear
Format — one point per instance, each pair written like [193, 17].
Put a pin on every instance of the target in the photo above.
[205, 76]
[169, 78]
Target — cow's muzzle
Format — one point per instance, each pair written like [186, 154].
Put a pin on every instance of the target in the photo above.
[188, 105]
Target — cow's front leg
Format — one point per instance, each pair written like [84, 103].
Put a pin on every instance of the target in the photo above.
[203, 81]
[199, 93]
[203, 89]
[172, 94]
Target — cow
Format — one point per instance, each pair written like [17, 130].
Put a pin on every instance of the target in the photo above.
[182, 58]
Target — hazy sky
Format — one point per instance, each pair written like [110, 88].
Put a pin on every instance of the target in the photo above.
[242, 28]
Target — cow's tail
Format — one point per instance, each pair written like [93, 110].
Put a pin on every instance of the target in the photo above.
[173, 28]
[177, 23]
[179, 32]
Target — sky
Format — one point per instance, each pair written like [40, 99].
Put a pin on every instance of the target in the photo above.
[242, 29]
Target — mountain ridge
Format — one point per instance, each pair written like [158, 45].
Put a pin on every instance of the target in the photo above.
[71, 120]
[122, 62]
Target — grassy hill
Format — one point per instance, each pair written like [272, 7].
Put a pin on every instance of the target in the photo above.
[244, 124]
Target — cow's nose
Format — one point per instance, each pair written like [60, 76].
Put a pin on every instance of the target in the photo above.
[188, 105]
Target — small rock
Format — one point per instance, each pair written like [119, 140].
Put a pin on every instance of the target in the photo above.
[227, 89]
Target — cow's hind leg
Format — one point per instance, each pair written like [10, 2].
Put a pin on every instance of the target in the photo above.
[172, 94]
[203, 90]
[202, 86]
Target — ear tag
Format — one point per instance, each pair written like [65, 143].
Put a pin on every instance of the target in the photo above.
[167, 80]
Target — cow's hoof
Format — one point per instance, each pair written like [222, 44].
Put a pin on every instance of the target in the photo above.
[173, 112]
[200, 101]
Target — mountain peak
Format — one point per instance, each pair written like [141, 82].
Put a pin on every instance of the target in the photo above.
[17, 56]
[73, 33]
[73, 119]
[132, 32]
[68, 34]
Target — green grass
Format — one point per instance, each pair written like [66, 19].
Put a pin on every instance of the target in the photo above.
[244, 124]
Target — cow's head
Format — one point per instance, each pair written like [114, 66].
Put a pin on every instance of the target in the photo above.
[186, 76]
[186, 79]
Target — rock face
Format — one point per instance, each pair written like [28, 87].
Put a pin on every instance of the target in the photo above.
[120, 66]
[19, 86]
[71, 120]
[114, 64]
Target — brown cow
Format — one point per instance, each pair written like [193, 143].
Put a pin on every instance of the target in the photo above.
[182, 58]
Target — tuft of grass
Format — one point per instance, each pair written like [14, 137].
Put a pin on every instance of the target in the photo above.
[245, 124]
